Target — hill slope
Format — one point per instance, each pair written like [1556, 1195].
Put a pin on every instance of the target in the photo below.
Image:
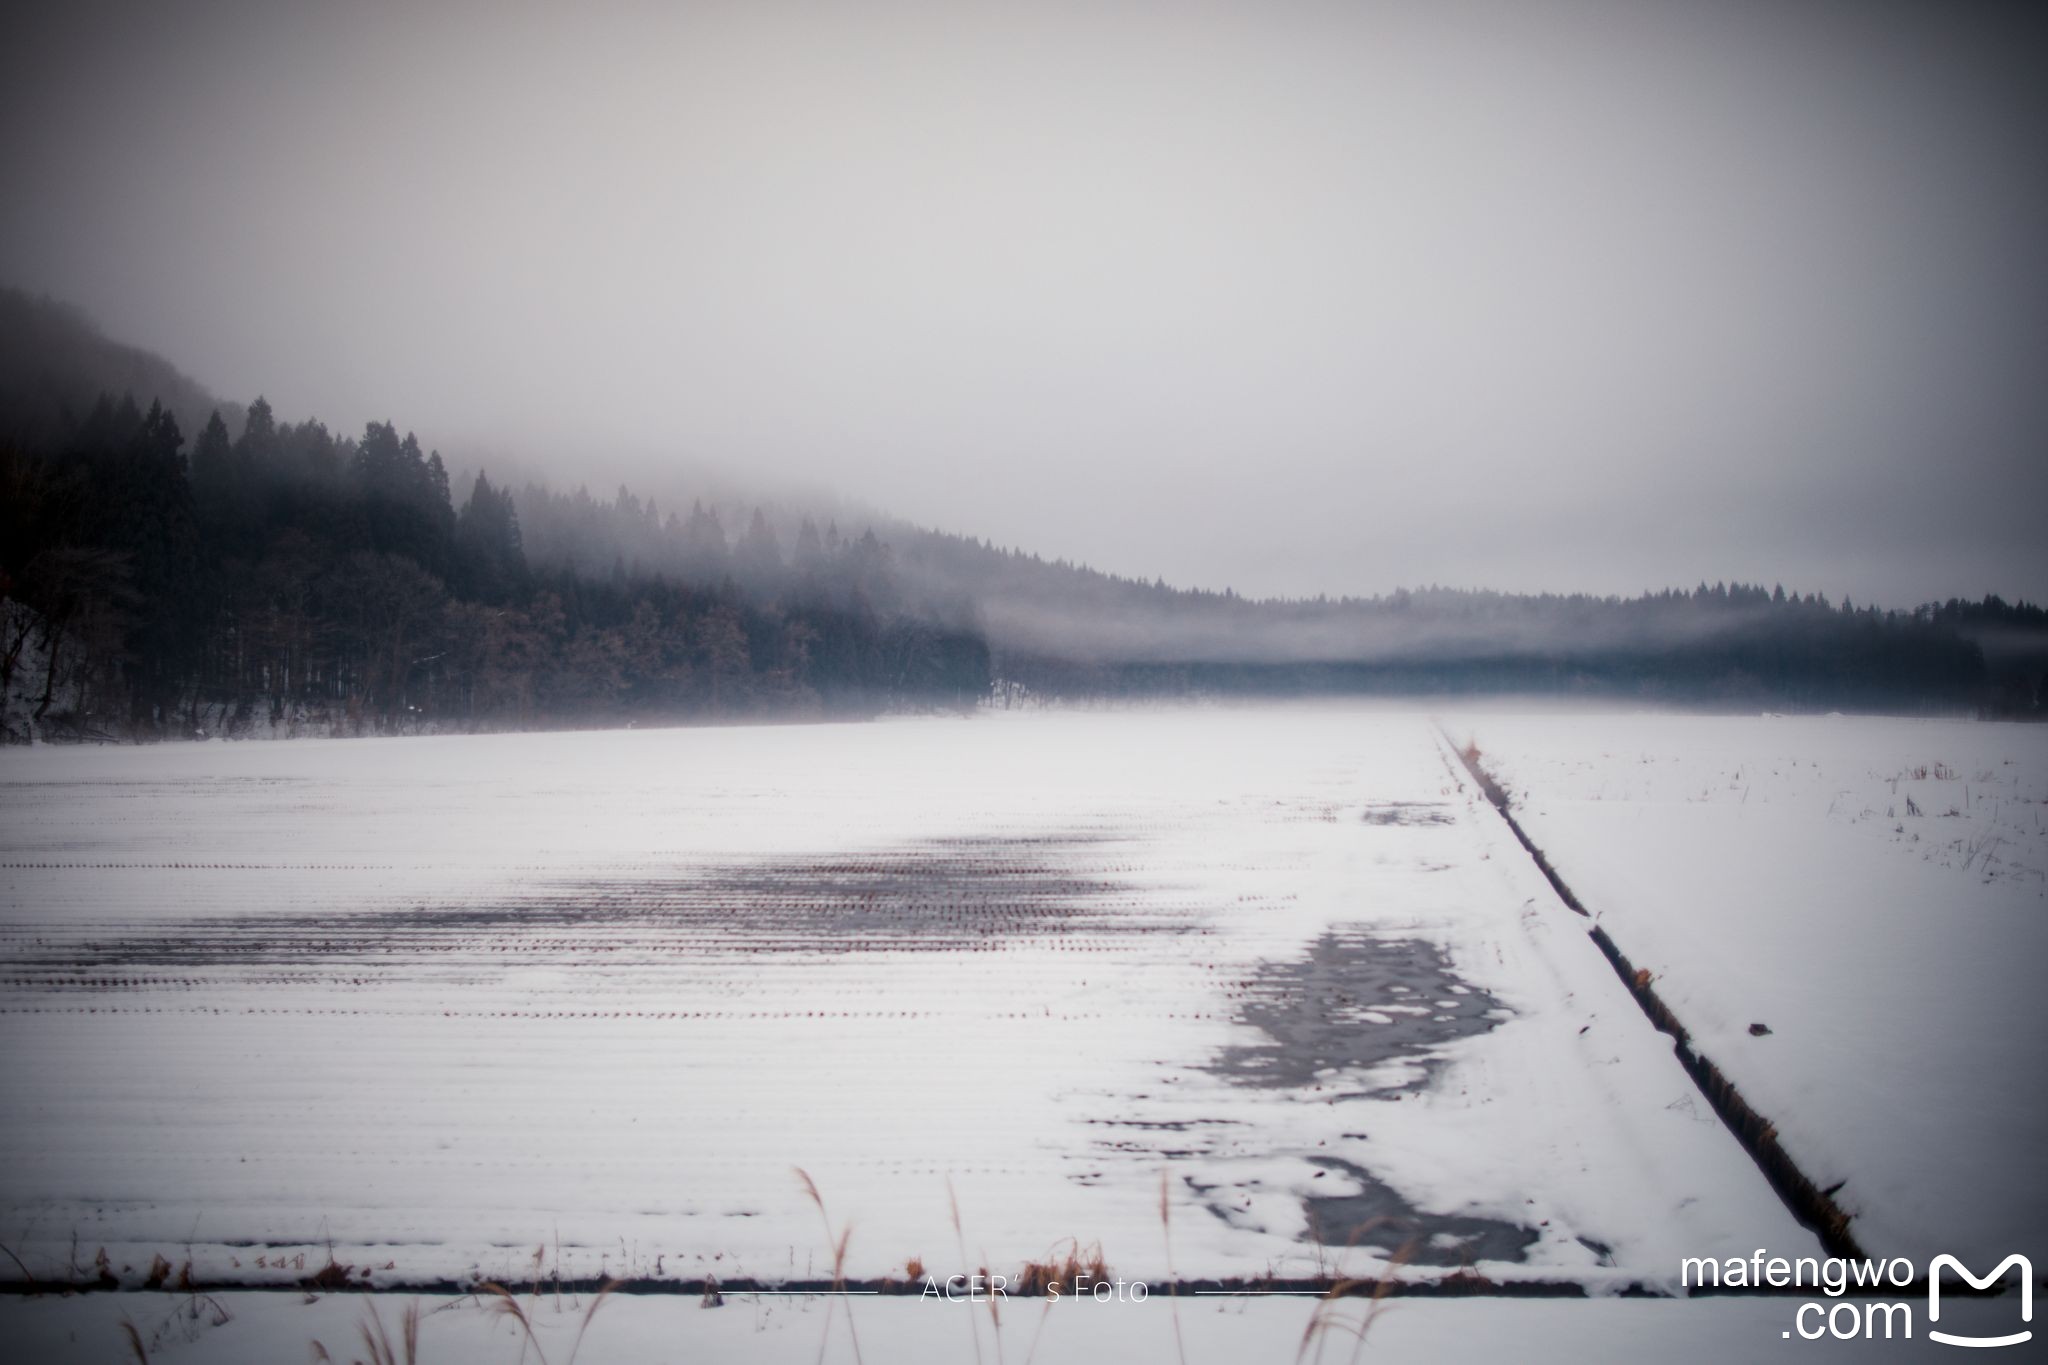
[208, 561]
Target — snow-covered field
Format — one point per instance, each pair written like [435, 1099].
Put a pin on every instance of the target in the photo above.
[502, 1008]
[268, 1328]
[447, 1002]
[1874, 892]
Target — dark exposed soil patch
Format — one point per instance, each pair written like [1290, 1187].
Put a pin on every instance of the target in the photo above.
[1409, 813]
[948, 895]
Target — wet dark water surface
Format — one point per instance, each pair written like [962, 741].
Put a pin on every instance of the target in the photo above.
[1356, 1001]
[1362, 1015]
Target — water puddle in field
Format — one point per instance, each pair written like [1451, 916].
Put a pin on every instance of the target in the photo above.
[1363, 1017]
[1356, 1211]
[1374, 1218]
[1359, 1013]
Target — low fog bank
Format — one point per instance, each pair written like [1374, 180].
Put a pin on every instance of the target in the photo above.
[1064, 629]
[168, 573]
[1061, 629]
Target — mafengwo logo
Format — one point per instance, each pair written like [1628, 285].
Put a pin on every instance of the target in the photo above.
[1934, 1269]
[1861, 1316]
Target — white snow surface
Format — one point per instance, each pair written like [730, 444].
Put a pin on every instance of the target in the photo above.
[265, 1328]
[1769, 870]
[504, 1006]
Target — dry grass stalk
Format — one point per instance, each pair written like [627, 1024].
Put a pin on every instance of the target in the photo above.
[33, 1287]
[505, 1302]
[838, 1266]
[1326, 1319]
[1172, 1276]
[1064, 1272]
[378, 1342]
[960, 1239]
[995, 1307]
[383, 1350]
[603, 1293]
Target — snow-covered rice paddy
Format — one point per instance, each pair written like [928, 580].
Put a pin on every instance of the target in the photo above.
[457, 1005]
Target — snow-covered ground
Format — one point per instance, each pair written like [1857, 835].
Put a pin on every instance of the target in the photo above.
[265, 1328]
[1874, 892]
[499, 1006]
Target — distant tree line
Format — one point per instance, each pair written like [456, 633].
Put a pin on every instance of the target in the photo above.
[284, 578]
[268, 577]
[1056, 629]
[2014, 639]
[1064, 630]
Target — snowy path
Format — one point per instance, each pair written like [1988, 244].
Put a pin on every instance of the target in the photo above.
[493, 1006]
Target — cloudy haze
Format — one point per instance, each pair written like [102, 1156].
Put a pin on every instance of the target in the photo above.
[1289, 297]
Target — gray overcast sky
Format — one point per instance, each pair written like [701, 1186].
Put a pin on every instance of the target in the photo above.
[1292, 297]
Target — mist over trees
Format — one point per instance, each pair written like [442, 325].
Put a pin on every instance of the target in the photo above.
[284, 579]
[164, 573]
[1063, 629]
[54, 364]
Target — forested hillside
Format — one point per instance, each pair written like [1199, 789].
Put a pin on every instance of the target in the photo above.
[261, 576]
[54, 364]
[286, 580]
